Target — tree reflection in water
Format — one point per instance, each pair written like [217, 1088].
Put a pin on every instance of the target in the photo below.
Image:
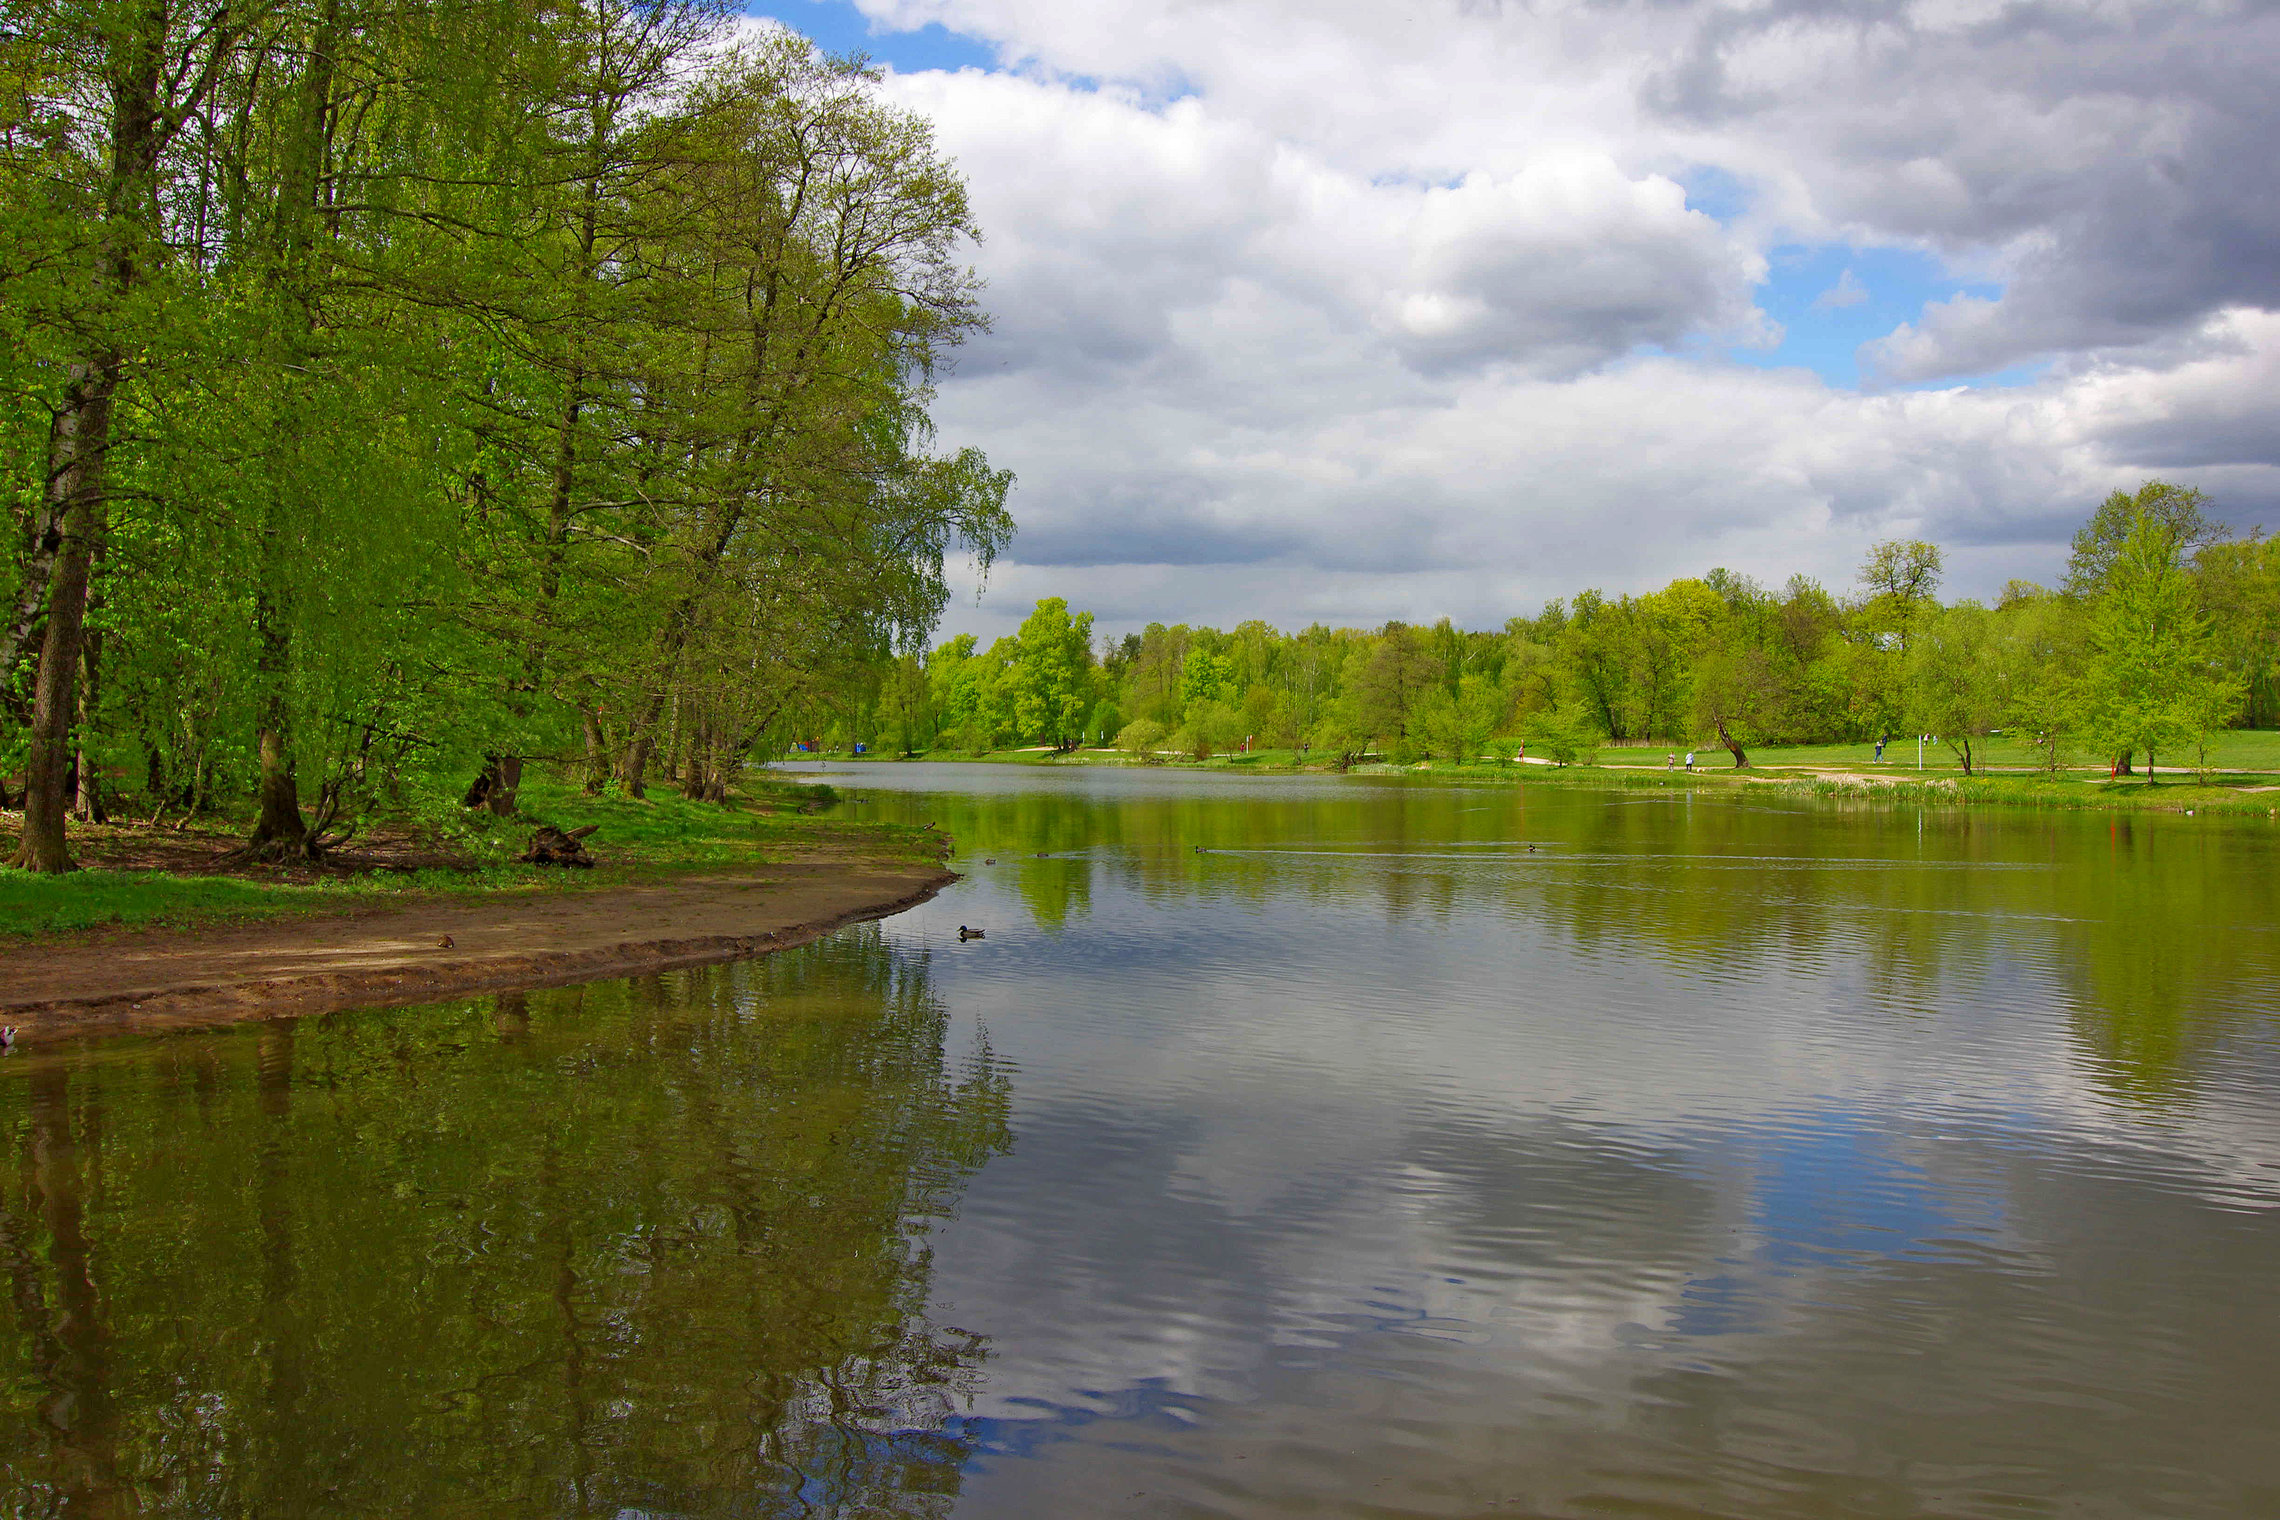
[2126, 920]
[657, 1246]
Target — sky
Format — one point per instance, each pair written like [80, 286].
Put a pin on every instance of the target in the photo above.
[1350, 310]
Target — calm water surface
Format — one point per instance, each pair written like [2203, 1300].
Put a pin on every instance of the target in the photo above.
[1713, 1156]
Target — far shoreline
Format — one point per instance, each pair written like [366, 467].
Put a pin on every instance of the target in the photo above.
[2247, 794]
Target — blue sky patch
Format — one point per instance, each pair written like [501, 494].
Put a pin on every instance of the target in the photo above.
[1830, 300]
[1714, 192]
[840, 28]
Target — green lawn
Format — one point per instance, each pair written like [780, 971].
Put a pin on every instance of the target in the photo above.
[2238, 750]
[659, 834]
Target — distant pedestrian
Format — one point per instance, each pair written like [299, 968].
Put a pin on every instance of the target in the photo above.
[1880, 749]
[1670, 761]
[1521, 757]
[1690, 759]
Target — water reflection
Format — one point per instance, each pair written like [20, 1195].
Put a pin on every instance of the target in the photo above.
[649, 1247]
[2145, 929]
[1710, 1158]
[1401, 1151]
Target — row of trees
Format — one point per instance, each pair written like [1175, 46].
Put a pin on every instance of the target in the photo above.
[395, 390]
[2163, 630]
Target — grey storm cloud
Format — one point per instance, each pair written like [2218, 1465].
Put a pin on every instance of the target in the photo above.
[2114, 159]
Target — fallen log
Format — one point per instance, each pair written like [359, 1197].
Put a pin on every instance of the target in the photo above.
[551, 846]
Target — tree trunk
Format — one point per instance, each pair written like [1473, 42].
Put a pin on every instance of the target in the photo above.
[77, 441]
[641, 742]
[1727, 739]
[88, 807]
[43, 545]
[280, 832]
[496, 785]
[634, 763]
[597, 753]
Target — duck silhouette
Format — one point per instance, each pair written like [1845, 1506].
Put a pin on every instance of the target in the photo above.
[965, 933]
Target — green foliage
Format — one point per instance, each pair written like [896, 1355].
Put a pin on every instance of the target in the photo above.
[2154, 681]
[1211, 727]
[1053, 674]
[1782, 667]
[480, 383]
[1143, 740]
[1205, 677]
[1561, 737]
[2099, 543]
[1953, 687]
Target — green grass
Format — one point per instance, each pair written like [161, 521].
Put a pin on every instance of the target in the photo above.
[2235, 750]
[31, 904]
[637, 840]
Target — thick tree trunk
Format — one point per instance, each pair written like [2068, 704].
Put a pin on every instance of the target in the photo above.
[496, 786]
[633, 764]
[280, 832]
[88, 806]
[23, 632]
[696, 766]
[1726, 738]
[77, 441]
[641, 743]
[506, 785]
[597, 753]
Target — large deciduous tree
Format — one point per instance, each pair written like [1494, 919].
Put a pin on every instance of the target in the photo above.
[2153, 682]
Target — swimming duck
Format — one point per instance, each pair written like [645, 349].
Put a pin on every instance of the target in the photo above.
[8, 1034]
[965, 933]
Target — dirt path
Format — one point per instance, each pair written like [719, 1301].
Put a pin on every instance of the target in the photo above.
[159, 978]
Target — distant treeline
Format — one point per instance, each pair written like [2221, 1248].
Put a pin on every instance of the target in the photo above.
[2164, 629]
[394, 392]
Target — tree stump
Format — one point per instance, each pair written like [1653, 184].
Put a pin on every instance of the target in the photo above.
[551, 846]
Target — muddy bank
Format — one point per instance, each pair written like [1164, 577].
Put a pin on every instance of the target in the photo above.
[160, 978]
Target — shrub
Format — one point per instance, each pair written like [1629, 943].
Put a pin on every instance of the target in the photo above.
[1560, 737]
[1142, 740]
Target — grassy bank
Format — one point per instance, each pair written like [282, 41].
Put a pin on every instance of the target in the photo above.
[135, 877]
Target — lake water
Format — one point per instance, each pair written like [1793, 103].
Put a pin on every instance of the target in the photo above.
[1323, 1147]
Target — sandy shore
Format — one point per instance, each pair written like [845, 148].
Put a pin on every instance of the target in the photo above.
[160, 978]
